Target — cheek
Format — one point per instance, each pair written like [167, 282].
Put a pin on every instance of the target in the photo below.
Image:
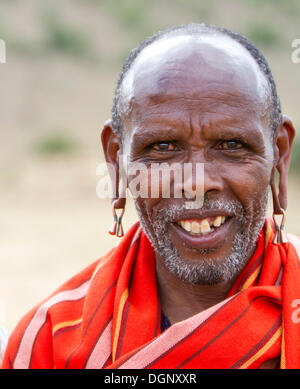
[249, 183]
[139, 185]
[149, 184]
[145, 212]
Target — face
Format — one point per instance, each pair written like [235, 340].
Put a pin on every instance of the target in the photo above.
[191, 100]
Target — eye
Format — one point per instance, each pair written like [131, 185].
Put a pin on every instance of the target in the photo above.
[164, 146]
[231, 145]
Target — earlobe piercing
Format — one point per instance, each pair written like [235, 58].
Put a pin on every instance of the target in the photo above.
[117, 228]
[278, 238]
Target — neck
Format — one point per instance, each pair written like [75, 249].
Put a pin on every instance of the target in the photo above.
[180, 300]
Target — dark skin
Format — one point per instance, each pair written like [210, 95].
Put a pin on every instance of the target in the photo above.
[201, 101]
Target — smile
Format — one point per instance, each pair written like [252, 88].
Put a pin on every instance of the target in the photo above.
[207, 231]
[202, 226]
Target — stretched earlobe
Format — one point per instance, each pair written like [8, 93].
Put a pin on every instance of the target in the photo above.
[118, 203]
[277, 210]
[117, 228]
[283, 141]
[283, 144]
[112, 147]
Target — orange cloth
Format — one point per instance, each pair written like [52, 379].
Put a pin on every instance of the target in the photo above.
[108, 316]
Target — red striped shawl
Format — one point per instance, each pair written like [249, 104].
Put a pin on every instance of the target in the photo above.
[108, 316]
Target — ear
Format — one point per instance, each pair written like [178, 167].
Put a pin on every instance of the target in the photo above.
[283, 142]
[112, 147]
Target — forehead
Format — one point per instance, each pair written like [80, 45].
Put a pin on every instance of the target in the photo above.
[203, 73]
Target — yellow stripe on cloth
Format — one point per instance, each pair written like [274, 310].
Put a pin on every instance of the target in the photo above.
[268, 233]
[251, 278]
[65, 324]
[282, 357]
[263, 350]
[118, 323]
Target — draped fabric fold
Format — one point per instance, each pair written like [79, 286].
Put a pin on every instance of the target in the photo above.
[109, 316]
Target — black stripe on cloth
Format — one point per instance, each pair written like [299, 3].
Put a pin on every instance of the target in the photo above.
[34, 313]
[234, 321]
[107, 362]
[192, 333]
[90, 321]
[259, 345]
[34, 343]
[66, 329]
[248, 273]
[96, 341]
[122, 328]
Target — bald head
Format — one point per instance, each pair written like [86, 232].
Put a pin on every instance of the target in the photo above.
[188, 67]
[197, 55]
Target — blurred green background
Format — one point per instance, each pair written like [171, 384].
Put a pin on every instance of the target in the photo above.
[56, 88]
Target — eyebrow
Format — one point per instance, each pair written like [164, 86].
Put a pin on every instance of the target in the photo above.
[173, 133]
[170, 126]
[156, 133]
[254, 134]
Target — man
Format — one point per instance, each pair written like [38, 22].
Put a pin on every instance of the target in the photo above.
[209, 286]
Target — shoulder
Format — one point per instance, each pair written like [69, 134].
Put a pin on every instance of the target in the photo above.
[30, 343]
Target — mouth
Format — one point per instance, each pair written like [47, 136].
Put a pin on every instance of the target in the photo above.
[202, 226]
[202, 233]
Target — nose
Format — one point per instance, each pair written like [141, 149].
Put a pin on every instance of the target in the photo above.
[212, 179]
[201, 179]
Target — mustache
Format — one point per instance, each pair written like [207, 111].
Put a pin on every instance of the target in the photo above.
[175, 211]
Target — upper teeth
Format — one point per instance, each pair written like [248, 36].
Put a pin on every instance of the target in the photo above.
[201, 226]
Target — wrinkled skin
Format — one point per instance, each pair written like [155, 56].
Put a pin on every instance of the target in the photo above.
[189, 99]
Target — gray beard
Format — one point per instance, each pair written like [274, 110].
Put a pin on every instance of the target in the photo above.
[206, 271]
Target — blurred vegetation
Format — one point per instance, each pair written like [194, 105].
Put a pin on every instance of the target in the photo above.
[132, 14]
[55, 143]
[139, 18]
[263, 34]
[260, 20]
[57, 36]
[61, 37]
[295, 160]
